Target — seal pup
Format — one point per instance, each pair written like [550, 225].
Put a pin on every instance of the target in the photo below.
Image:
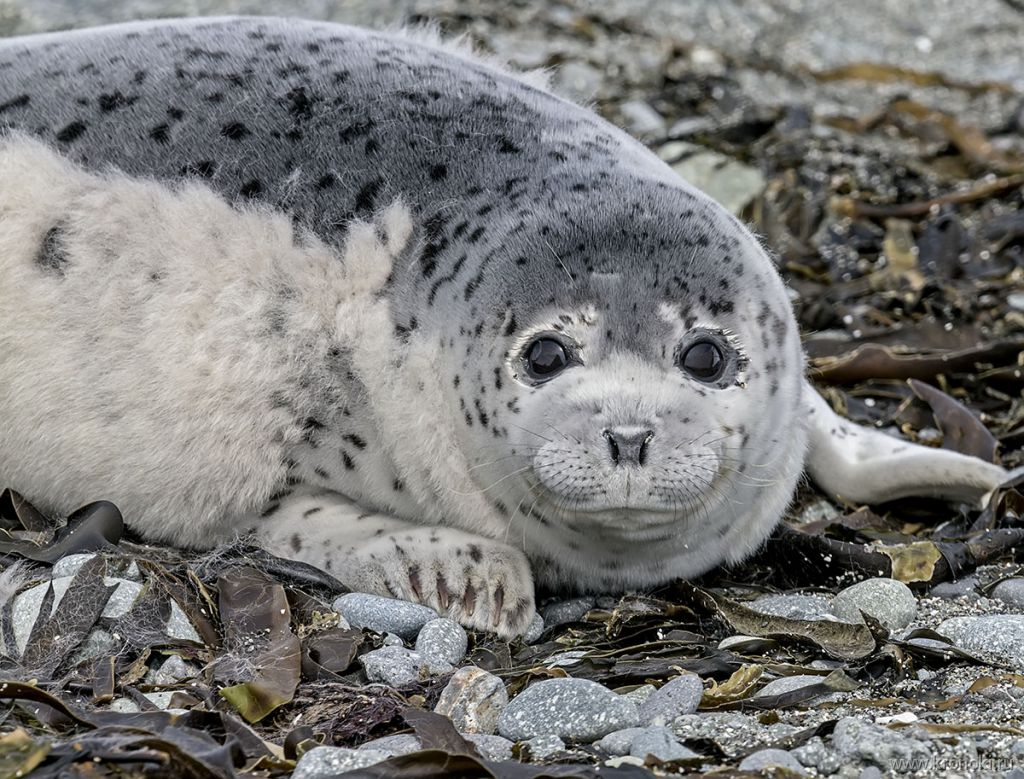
[396, 312]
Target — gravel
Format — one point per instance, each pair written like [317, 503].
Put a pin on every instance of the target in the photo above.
[772, 758]
[384, 615]
[1000, 635]
[473, 699]
[572, 709]
[394, 665]
[889, 601]
[676, 697]
[327, 762]
[862, 740]
[442, 643]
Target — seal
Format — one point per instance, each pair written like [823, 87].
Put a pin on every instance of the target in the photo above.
[397, 312]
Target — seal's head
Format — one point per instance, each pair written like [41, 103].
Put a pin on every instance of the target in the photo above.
[636, 417]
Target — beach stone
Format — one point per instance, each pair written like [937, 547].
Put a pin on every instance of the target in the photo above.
[180, 626]
[889, 601]
[473, 700]
[790, 683]
[1010, 591]
[578, 81]
[442, 642]
[328, 762]
[534, 630]
[564, 611]
[860, 739]
[394, 665]
[398, 744]
[160, 699]
[771, 758]
[124, 706]
[1001, 635]
[640, 695]
[640, 119]
[69, 566]
[730, 182]
[794, 606]
[619, 741]
[955, 589]
[575, 709]
[815, 754]
[384, 615]
[676, 697]
[543, 747]
[490, 747]
[661, 743]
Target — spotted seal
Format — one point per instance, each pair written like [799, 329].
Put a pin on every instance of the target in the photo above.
[397, 312]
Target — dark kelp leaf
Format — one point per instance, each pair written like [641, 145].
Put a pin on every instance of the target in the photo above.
[20, 754]
[962, 431]
[329, 653]
[871, 361]
[16, 513]
[92, 528]
[435, 731]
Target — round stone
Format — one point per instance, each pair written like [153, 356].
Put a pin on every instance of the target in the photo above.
[771, 758]
[563, 611]
[618, 742]
[676, 697]
[442, 642]
[790, 683]
[543, 747]
[572, 709]
[1010, 591]
[1001, 635]
[534, 630]
[794, 606]
[384, 615]
[399, 744]
[394, 665]
[473, 700]
[889, 601]
[490, 747]
[326, 762]
[661, 743]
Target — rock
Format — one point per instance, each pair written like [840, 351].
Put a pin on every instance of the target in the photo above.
[160, 699]
[180, 626]
[124, 706]
[543, 747]
[771, 758]
[640, 694]
[441, 642]
[1010, 591]
[562, 612]
[394, 665]
[678, 696]
[121, 599]
[661, 743]
[1001, 635]
[383, 615]
[390, 639]
[493, 748]
[1015, 300]
[889, 601]
[328, 762]
[399, 744]
[871, 772]
[955, 589]
[534, 630]
[619, 741]
[814, 754]
[576, 709]
[473, 699]
[860, 739]
[578, 81]
[794, 606]
[728, 181]
[641, 120]
[735, 641]
[790, 683]
[69, 566]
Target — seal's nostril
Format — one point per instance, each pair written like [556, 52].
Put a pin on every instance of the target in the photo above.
[613, 447]
[628, 446]
[642, 454]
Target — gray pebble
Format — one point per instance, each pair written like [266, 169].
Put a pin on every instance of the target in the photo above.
[390, 639]
[771, 758]
[563, 611]
[889, 601]
[1015, 300]
[790, 683]
[160, 699]
[384, 615]
[794, 606]
[1001, 635]
[576, 709]
[441, 642]
[618, 742]
[955, 589]
[578, 81]
[473, 700]
[124, 706]
[815, 754]
[490, 747]
[70, 565]
[534, 630]
[871, 772]
[864, 740]
[641, 120]
[640, 695]
[543, 747]
[394, 665]
[676, 697]
[661, 743]
[328, 762]
[180, 626]
[399, 744]
[1010, 591]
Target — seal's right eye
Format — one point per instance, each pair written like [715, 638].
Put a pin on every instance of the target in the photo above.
[545, 358]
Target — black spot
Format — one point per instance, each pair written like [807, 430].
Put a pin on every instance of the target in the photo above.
[236, 131]
[347, 460]
[70, 132]
[511, 326]
[505, 146]
[355, 440]
[475, 554]
[398, 485]
[300, 104]
[311, 512]
[51, 256]
[355, 130]
[251, 189]
[367, 196]
[296, 543]
[326, 181]
[322, 473]
[204, 169]
[161, 133]
[113, 101]
[15, 102]
[438, 172]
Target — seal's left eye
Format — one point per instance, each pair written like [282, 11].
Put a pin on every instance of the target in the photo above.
[544, 358]
[704, 361]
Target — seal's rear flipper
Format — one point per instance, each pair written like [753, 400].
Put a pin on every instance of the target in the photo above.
[861, 465]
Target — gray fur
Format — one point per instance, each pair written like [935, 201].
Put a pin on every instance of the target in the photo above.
[277, 276]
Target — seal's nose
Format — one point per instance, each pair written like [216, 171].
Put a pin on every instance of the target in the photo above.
[628, 445]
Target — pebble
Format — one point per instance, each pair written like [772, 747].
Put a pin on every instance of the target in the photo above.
[661, 743]
[1015, 300]
[889, 601]
[577, 80]
[473, 700]
[564, 611]
[676, 697]
[723, 178]
[124, 706]
[575, 709]
[384, 615]
[442, 643]
[794, 606]
[70, 565]
[1010, 591]
[790, 683]
[955, 589]
[543, 747]
[393, 665]
[1001, 635]
[862, 740]
[814, 754]
[490, 747]
[618, 742]
[534, 630]
[641, 120]
[640, 694]
[399, 744]
[327, 762]
[771, 758]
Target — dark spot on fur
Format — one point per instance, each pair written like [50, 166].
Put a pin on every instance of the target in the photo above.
[326, 181]
[367, 196]
[113, 101]
[355, 440]
[438, 172]
[296, 543]
[15, 102]
[204, 169]
[349, 465]
[70, 132]
[51, 256]
[312, 511]
[251, 189]
[236, 131]
[161, 133]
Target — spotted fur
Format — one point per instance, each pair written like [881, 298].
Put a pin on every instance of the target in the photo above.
[278, 276]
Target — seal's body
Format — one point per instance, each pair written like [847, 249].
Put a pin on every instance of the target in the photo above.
[396, 311]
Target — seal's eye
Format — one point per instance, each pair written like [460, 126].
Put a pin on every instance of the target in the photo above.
[704, 361]
[544, 358]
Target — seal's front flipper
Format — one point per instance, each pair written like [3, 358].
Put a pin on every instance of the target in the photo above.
[861, 465]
